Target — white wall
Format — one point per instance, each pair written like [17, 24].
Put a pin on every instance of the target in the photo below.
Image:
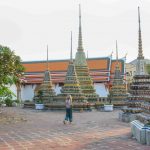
[27, 92]
[14, 90]
[101, 90]
[57, 89]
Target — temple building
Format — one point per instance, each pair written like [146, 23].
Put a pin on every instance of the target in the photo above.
[118, 91]
[101, 70]
[95, 75]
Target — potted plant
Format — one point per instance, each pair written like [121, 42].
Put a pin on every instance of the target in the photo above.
[109, 106]
[39, 102]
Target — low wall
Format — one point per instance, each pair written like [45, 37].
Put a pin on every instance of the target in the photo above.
[140, 132]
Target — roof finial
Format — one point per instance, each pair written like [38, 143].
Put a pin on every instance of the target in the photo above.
[140, 51]
[71, 59]
[80, 48]
[47, 59]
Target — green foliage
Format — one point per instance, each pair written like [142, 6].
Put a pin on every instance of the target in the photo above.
[11, 70]
[17, 101]
[8, 102]
[40, 95]
[148, 68]
[6, 92]
[10, 66]
[27, 101]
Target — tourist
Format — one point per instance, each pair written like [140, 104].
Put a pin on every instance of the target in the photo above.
[68, 104]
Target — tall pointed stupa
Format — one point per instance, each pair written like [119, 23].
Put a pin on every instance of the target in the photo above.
[46, 88]
[118, 90]
[140, 70]
[82, 69]
[71, 84]
[140, 87]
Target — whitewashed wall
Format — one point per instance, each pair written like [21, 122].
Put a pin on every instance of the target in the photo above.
[14, 90]
[101, 90]
[57, 89]
[27, 91]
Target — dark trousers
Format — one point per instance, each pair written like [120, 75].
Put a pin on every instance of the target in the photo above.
[68, 114]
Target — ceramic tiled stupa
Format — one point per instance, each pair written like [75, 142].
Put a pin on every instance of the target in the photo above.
[140, 87]
[82, 69]
[45, 91]
[118, 90]
[140, 128]
[71, 84]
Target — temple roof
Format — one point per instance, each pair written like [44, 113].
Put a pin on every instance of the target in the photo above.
[101, 69]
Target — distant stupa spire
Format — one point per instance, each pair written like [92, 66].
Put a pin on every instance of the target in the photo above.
[117, 52]
[71, 59]
[87, 56]
[117, 68]
[80, 47]
[140, 51]
[140, 65]
[47, 59]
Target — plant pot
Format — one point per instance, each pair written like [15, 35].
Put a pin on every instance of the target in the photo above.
[39, 106]
[14, 104]
[3, 105]
[108, 107]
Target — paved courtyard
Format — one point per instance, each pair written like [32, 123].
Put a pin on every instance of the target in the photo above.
[45, 131]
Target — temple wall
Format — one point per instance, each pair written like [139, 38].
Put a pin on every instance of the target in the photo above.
[14, 90]
[101, 90]
[27, 91]
[57, 89]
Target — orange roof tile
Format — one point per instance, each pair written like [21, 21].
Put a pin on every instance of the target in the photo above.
[62, 65]
[113, 65]
[98, 64]
[99, 69]
[40, 67]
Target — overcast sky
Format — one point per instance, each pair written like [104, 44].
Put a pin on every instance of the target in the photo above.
[27, 26]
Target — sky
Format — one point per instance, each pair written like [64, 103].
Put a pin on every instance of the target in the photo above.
[28, 26]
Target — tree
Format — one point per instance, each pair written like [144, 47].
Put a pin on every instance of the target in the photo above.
[11, 70]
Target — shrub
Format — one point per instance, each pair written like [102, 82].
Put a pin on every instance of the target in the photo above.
[17, 101]
[8, 102]
[26, 101]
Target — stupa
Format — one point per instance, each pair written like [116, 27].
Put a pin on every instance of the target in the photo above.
[140, 127]
[71, 84]
[139, 88]
[72, 87]
[82, 69]
[45, 91]
[118, 90]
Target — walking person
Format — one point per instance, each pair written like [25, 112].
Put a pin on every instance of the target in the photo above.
[68, 104]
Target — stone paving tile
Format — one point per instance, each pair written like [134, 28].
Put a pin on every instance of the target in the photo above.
[89, 131]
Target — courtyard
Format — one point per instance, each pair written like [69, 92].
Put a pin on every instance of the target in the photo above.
[44, 130]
